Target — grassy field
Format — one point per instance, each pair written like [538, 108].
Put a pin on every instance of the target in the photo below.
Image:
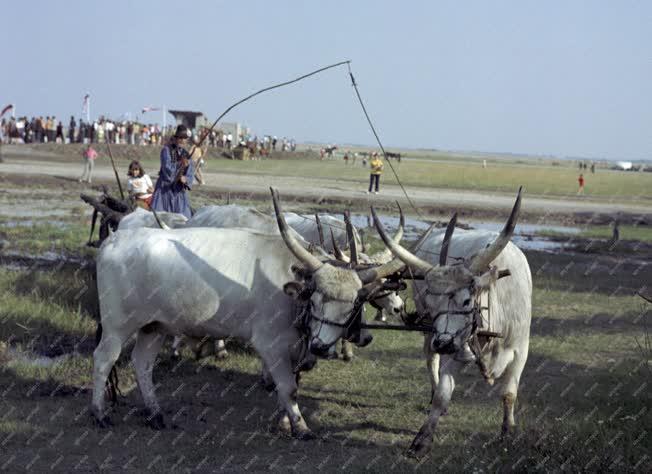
[583, 404]
[628, 232]
[457, 172]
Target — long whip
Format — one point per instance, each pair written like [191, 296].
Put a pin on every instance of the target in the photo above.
[276, 86]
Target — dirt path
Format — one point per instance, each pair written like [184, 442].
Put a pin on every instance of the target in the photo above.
[325, 189]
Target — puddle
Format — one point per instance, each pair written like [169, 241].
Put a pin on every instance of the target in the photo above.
[13, 260]
[524, 234]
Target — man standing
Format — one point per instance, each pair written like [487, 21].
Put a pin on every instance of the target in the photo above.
[377, 166]
[175, 177]
[71, 130]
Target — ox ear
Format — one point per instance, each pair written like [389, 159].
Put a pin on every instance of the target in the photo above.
[295, 290]
[488, 278]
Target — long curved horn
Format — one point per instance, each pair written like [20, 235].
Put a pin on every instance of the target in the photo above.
[480, 262]
[401, 225]
[443, 253]
[336, 250]
[320, 230]
[302, 254]
[405, 255]
[386, 254]
[372, 274]
[353, 244]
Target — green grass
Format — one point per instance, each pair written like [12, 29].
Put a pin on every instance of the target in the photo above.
[456, 172]
[69, 238]
[543, 181]
[583, 403]
[626, 232]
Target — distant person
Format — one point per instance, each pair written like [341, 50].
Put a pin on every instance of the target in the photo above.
[592, 168]
[376, 165]
[139, 185]
[580, 181]
[59, 135]
[89, 155]
[71, 130]
[175, 176]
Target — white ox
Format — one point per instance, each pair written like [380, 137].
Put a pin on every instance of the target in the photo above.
[457, 272]
[305, 230]
[141, 218]
[222, 282]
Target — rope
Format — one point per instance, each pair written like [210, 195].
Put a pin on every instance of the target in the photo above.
[364, 109]
[276, 86]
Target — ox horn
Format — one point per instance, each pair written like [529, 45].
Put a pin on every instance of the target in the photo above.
[386, 254]
[302, 254]
[481, 261]
[320, 230]
[336, 250]
[443, 253]
[369, 275]
[405, 255]
[353, 244]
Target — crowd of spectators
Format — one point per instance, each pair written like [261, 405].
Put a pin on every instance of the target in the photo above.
[52, 130]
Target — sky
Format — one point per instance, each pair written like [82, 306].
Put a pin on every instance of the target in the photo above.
[560, 77]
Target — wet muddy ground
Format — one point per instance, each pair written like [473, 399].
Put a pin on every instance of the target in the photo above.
[581, 406]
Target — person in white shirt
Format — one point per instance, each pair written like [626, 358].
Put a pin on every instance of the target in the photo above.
[139, 185]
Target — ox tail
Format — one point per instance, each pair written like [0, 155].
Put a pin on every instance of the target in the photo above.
[112, 384]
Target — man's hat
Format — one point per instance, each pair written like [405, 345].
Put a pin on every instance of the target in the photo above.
[182, 132]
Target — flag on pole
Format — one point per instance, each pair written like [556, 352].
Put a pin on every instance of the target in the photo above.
[149, 109]
[87, 97]
[6, 109]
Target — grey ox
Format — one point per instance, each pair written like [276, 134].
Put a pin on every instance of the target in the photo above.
[223, 282]
[457, 273]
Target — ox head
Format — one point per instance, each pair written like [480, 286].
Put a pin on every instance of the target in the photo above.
[388, 300]
[450, 292]
[334, 293]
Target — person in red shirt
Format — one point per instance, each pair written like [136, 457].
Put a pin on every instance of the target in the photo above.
[580, 180]
[89, 163]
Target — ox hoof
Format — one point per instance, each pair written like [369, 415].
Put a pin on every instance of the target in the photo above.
[156, 422]
[103, 422]
[305, 435]
[284, 427]
[419, 448]
[223, 354]
[507, 431]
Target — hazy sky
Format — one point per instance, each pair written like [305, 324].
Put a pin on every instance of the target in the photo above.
[553, 77]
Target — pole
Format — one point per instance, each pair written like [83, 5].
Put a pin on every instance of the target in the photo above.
[88, 109]
[164, 122]
[115, 171]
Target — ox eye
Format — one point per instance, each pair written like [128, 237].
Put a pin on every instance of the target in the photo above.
[467, 302]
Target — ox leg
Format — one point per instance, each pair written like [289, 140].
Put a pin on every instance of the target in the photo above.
[286, 390]
[143, 357]
[440, 401]
[432, 362]
[347, 350]
[104, 358]
[510, 389]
